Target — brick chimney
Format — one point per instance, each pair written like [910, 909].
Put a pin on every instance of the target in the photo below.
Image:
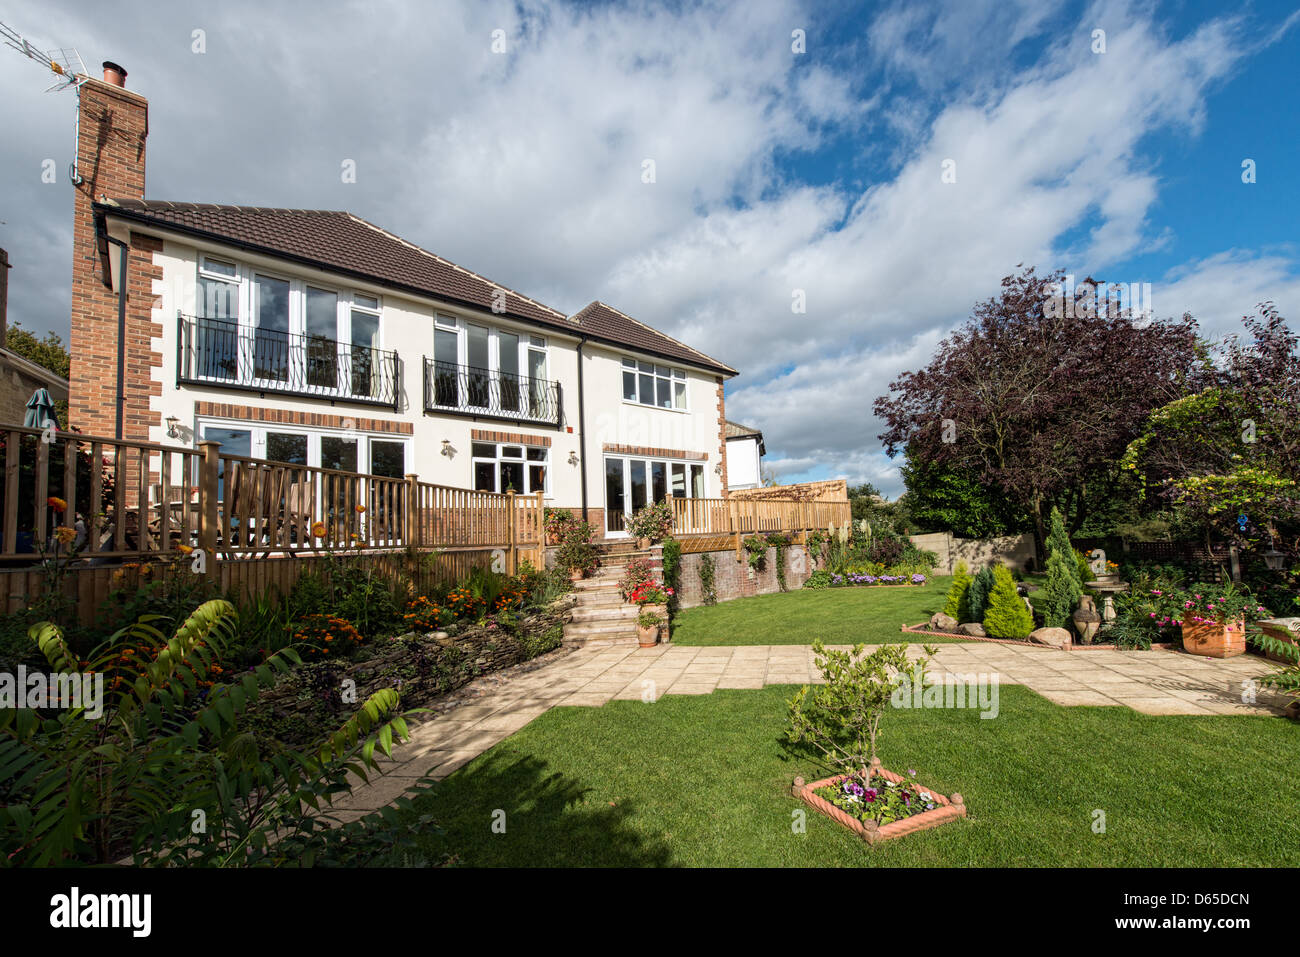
[114, 123]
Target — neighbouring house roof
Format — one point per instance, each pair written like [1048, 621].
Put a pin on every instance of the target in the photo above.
[57, 385]
[341, 242]
[734, 430]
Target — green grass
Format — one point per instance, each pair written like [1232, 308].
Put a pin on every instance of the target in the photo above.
[704, 781]
[836, 615]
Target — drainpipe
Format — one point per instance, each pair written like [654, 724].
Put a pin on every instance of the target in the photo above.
[582, 431]
[121, 331]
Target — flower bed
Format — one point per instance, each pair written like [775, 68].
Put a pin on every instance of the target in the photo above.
[840, 581]
[883, 806]
[923, 629]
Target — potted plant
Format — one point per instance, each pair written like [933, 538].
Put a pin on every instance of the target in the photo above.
[652, 596]
[557, 520]
[577, 553]
[648, 624]
[1213, 620]
[651, 524]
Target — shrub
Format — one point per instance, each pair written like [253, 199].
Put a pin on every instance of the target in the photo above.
[672, 562]
[1061, 594]
[818, 579]
[1085, 567]
[1058, 541]
[577, 551]
[1007, 616]
[536, 641]
[958, 603]
[756, 547]
[977, 596]
[324, 636]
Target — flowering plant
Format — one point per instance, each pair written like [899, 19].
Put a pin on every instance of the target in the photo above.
[877, 799]
[325, 636]
[638, 573]
[1219, 605]
[654, 522]
[650, 593]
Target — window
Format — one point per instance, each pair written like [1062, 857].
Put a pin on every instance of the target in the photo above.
[338, 452]
[651, 384]
[484, 368]
[365, 346]
[271, 328]
[322, 336]
[500, 468]
[216, 343]
[345, 452]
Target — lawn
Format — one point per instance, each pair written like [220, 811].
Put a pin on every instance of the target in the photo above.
[836, 615]
[702, 780]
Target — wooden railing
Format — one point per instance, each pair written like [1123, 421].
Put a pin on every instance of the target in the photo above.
[108, 500]
[737, 517]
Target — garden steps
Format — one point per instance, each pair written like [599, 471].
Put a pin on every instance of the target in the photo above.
[600, 617]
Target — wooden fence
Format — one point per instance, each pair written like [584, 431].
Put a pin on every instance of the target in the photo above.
[106, 502]
[702, 522]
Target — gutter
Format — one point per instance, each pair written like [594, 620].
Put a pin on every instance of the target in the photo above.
[582, 430]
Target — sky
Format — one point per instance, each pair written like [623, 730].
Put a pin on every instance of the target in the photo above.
[834, 185]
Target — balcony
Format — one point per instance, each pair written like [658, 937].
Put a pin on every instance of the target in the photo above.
[455, 389]
[230, 355]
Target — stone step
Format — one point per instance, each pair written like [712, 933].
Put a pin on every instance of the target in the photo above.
[616, 626]
[581, 641]
[610, 612]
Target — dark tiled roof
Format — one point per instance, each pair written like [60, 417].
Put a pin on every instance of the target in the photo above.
[605, 322]
[341, 242]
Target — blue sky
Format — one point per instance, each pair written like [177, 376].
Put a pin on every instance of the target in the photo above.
[776, 171]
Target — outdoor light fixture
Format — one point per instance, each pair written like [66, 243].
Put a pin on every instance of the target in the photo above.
[717, 470]
[447, 450]
[172, 422]
[573, 458]
[1273, 558]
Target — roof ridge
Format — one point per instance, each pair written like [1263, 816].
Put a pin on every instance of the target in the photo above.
[658, 332]
[173, 204]
[447, 262]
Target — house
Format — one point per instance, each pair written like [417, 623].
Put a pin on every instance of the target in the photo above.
[315, 337]
[745, 451]
[19, 376]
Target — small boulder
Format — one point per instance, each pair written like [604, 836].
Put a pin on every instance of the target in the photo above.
[1053, 637]
[972, 628]
[942, 622]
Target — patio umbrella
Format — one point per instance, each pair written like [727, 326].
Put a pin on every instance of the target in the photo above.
[40, 411]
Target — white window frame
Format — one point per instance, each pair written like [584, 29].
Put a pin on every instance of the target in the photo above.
[674, 376]
[528, 342]
[259, 431]
[527, 463]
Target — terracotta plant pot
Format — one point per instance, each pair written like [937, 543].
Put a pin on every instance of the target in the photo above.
[576, 574]
[647, 637]
[643, 543]
[1215, 640]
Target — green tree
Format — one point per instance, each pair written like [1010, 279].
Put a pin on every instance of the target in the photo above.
[1007, 616]
[958, 603]
[944, 499]
[1058, 543]
[977, 596]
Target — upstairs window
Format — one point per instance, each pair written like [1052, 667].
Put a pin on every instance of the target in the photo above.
[649, 384]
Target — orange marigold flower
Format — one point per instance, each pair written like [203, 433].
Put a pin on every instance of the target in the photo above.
[360, 509]
[318, 529]
[65, 535]
[58, 504]
[184, 549]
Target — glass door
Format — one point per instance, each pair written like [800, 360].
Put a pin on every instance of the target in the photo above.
[479, 371]
[615, 499]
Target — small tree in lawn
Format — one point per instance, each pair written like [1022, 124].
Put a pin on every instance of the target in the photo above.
[958, 605]
[1007, 616]
[841, 718]
[1064, 586]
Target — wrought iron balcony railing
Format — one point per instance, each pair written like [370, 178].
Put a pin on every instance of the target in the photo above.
[235, 356]
[467, 390]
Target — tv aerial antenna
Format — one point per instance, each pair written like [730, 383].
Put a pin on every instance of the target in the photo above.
[66, 65]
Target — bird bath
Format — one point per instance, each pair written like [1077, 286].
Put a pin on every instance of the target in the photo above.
[1107, 590]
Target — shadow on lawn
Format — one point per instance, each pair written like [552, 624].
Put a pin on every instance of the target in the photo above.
[551, 820]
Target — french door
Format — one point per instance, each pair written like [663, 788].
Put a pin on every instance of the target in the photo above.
[632, 483]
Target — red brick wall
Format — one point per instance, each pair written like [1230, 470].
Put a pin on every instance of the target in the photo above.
[733, 579]
[114, 124]
[722, 434]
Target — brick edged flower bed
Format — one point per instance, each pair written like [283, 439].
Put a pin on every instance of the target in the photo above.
[948, 809]
[921, 629]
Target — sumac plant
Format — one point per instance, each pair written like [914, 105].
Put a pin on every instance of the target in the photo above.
[163, 772]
